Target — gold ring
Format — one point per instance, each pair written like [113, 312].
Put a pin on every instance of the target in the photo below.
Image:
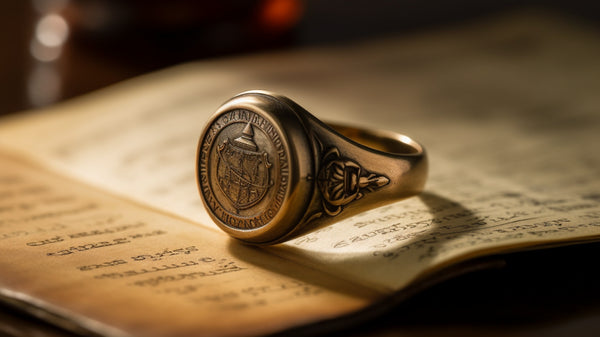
[267, 170]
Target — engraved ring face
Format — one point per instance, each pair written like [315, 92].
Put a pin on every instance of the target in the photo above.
[243, 169]
[249, 176]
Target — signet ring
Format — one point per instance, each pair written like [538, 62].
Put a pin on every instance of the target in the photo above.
[267, 170]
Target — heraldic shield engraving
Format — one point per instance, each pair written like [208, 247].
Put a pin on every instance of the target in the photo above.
[242, 170]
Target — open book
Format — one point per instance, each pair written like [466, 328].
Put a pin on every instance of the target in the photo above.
[102, 229]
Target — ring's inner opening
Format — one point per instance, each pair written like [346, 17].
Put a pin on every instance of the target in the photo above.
[380, 140]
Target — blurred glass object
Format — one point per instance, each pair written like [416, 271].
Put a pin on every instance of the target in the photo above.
[81, 45]
[47, 42]
[44, 86]
[51, 30]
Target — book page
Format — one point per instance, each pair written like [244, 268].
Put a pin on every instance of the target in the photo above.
[505, 109]
[86, 260]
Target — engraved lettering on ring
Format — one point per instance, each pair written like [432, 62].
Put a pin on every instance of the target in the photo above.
[243, 169]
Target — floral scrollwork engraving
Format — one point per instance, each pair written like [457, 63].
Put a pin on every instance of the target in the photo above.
[342, 180]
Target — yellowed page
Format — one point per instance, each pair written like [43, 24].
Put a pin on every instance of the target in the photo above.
[118, 269]
[505, 109]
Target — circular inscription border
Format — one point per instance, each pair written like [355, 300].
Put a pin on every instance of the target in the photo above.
[262, 213]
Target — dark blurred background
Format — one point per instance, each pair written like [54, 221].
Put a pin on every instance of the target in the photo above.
[57, 49]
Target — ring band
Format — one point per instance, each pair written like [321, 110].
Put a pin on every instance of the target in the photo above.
[267, 170]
